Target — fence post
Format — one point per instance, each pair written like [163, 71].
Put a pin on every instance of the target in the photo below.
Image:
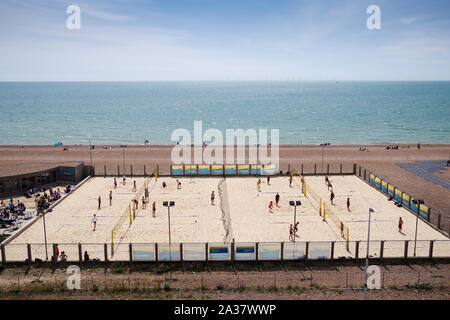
[406, 249]
[307, 251]
[381, 249]
[105, 246]
[340, 168]
[302, 168]
[80, 254]
[157, 169]
[257, 251]
[145, 171]
[156, 250]
[289, 168]
[439, 221]
[104, 168]
[360, 171]
[315, 168]
[281, 253]
[130, 249]
[431, 249]
[357, 250]
[232, 250]
[206, 251]
[328, 168]
[2, 247]
[429, 214]
[181, 251]
[118, 170]
[365, 171]
[131, 170]
[332, 250]
[55, 256]
[354, 168]
[29, 253]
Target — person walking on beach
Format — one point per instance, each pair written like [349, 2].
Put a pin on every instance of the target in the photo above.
[290, 181]
[99, 202]
[110, 197]
[277, 199]
[270, 206]
[268, 180]
[296, 227]
[134, 186]
[124, 179]
[115, 183]
[342, 229]
[400, 225]
[154, 209]
[164, 185]
[143, 203]
[258, 185]
[146, 195]
[212, 197]
[332, 197]
[291, 233]
[94, 221]
[178, 184]
[326, 180]
[330, 186]
[348, 204]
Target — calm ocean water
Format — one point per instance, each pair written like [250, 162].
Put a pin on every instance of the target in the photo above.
[307, 112]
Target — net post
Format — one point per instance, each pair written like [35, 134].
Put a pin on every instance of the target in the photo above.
[324, 213]
[347, 240]
[129, 211]
[320, 206]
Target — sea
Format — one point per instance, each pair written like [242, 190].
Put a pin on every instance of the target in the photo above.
[44, 113]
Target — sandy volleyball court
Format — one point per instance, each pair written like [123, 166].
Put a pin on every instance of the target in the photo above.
[240, 212]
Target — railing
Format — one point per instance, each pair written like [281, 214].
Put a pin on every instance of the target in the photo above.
[234, 251]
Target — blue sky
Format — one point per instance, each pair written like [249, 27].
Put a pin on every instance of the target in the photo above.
[224, 40]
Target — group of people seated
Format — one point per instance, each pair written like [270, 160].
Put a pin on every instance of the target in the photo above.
[10, 212]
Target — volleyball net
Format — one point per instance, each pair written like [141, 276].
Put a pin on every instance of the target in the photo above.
[129, 214]
[320, 205]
